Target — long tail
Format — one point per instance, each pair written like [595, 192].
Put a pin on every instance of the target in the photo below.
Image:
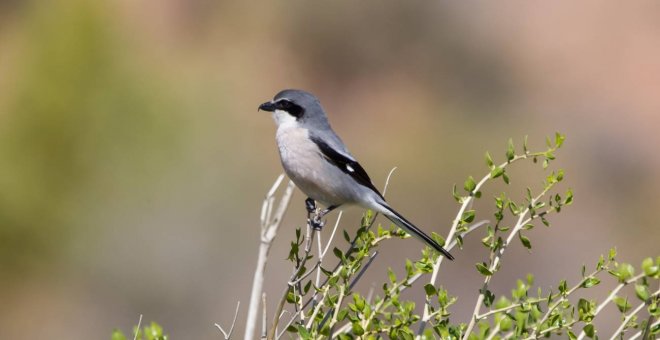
[404, 224]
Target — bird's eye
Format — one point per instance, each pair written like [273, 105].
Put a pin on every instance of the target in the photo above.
[290, 107]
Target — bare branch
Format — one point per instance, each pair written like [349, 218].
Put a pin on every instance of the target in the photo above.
[227, 334]
[269, 226]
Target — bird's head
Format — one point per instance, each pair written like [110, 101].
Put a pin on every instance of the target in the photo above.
[294, 107]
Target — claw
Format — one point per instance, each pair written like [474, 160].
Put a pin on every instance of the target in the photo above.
[310, 205]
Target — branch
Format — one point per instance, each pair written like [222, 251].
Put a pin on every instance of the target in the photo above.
[227, 334]
[619, 330]
[269, 227]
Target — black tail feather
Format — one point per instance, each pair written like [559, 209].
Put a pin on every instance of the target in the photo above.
[406, 225]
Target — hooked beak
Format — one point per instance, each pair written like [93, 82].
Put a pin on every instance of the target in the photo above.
[267, 106]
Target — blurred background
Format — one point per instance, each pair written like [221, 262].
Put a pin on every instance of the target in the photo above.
[133, 161]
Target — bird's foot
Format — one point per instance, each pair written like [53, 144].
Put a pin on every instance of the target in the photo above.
[310, 205]
[316, 222]
[314, 217]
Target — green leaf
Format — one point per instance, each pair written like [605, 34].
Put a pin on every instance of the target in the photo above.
[525, 241]
[456, 196]
[468, 216]
[563, 287]
[590, 282]
[339, 254]
[357, 328]
[510, 151]
[559, 139]
[496, 172]
[430, 289]
[483, 269]
[304, 333]
[641, 292]
[438, 238]
[391, 275]
[650, 269]
[469, 184]
[626, 271]
[525, 144]
[589, 330]
[622, 304]
[118, 335]
[489, 160]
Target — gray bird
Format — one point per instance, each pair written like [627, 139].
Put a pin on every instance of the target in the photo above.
[319, 163]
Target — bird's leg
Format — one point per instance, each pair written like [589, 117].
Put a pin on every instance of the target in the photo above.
[310, 205]
[314, 221]
[327, 210]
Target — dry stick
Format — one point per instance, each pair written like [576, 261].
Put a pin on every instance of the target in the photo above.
[138, 328]
[227, 334]
[269, 227]
[264, 316]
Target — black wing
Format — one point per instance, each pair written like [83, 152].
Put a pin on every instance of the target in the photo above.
[345, 164]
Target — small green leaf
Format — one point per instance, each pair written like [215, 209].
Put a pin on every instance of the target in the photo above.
[650, 269]
[563, 287]
[304, 333]
[118, 335]
[483, 269]
[489, 160]
[559, 139]
[347, 237]
[622, 304]
[438, 238]
[430, 289]
[641, 292]
[469, 184]
[496, 172]
[589, 330]
[510, 151]
[391, 275]
[590, 282]
[357, 328]
[525, 241]
[468, 216]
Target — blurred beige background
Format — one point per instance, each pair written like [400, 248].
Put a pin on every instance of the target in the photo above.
[133, 161]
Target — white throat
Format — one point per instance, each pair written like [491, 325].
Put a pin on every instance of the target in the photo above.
[284, 120]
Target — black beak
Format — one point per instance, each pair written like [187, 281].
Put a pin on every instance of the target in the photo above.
[267, 106]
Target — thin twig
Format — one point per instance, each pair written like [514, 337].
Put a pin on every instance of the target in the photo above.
[227, 335]
[628, 317]
[610, 298]
[269, 227]
[498, 255]
[264, 316]
[138, 328]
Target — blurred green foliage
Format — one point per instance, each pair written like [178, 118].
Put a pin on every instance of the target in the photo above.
[151, 332]
[78, 114]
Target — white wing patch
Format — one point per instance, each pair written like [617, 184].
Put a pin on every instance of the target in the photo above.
[349, 168]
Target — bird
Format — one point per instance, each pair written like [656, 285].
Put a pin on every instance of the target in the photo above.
[320, 165]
